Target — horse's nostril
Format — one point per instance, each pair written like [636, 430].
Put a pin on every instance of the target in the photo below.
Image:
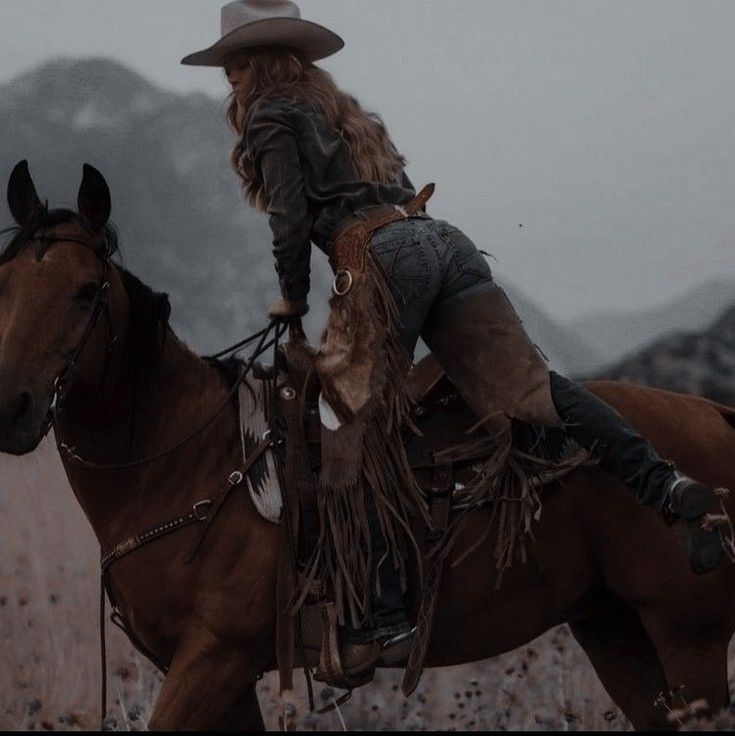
[23, 405]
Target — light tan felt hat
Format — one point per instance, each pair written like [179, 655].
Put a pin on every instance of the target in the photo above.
[250, 23]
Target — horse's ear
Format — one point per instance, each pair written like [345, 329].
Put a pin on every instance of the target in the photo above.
[22, 197]
[93, 202]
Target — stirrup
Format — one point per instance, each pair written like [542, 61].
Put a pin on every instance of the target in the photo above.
[329, 669]
[395, 649]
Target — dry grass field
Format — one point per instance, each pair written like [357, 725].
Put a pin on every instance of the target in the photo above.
[49, 674]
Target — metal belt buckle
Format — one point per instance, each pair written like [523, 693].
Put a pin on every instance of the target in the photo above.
[335, 283]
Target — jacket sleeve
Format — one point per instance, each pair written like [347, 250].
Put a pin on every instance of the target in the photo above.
[272, 146]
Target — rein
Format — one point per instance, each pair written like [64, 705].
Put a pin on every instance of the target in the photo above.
[259, 350]
[65, 377]
[202, 512]
[100, 302]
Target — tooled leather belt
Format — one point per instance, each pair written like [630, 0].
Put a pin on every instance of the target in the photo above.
[349, 243]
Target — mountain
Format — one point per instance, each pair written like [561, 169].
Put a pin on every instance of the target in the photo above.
[567, 352]
[184, 226]
[612, 335]
[700, 363]
[85, 95]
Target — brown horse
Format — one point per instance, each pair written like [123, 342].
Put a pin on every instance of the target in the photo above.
[608, 567]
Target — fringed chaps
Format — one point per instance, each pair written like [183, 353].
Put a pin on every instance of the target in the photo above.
[501, 375]
[363, 367]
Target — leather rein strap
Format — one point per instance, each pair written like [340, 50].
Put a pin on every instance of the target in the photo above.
[202, 512]
[64, 378]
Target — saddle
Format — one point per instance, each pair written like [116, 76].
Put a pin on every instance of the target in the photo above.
[447, 450]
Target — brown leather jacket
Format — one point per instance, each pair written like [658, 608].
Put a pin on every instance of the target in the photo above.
[309, 184]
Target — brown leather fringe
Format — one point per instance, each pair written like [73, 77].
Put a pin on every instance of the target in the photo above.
[367, 455]
[509, 481]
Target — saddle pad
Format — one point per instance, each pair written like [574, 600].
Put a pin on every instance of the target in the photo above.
[262, 480]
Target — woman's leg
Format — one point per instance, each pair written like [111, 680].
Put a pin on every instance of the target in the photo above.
[622, 451]
[411, 267]
[597, 427]
[479, 339]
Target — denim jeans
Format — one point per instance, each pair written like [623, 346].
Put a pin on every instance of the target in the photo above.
[433, 266]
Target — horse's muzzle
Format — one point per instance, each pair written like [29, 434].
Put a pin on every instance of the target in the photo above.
[20, 426]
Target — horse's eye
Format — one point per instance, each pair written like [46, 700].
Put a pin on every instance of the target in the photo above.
[86, 292]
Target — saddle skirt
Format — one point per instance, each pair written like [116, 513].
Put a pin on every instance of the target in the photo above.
[459, 465]
[449, 439]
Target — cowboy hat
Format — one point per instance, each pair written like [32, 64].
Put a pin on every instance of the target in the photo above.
[250, 23]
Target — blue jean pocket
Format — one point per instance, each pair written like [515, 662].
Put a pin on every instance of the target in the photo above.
[469, 264]
[406, 263]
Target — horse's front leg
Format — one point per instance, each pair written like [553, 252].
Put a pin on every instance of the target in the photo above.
[210, 683]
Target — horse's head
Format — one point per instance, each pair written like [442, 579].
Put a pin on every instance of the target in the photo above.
[51, 275]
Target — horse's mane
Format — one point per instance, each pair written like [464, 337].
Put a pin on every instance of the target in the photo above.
[149, 310]
[45, 218]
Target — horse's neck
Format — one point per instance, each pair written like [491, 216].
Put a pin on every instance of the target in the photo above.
[124, 422]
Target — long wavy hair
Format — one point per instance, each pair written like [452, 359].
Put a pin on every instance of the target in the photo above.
[279, 71]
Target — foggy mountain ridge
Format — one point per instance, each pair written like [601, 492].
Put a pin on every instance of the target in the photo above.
[700, 362]
[85, 94]
[613, 335]
[184, 226]
[566, 350]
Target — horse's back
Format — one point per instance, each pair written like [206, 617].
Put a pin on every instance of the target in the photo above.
[593, 535]
[633, 552]
[697, 434]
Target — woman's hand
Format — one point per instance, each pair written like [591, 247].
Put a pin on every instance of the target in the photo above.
[285, 309]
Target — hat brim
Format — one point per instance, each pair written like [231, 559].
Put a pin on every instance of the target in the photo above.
[314, 41]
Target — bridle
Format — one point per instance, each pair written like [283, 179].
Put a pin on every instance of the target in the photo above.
[101, 302]
[203, 511]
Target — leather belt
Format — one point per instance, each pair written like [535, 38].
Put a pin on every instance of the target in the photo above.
[376, 216]
[348, 245]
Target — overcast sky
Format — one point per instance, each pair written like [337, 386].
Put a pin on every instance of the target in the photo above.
[588, 144]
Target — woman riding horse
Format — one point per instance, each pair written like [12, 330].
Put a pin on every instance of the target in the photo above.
[327, 172]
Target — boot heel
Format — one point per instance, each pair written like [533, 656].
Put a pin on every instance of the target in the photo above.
[705, 547]
[690, 499]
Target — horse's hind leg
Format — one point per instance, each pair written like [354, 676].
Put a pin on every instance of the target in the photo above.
[626, 662]
[244, 715]
[694, 658]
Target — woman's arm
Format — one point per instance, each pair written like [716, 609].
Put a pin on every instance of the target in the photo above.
[271, 143]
